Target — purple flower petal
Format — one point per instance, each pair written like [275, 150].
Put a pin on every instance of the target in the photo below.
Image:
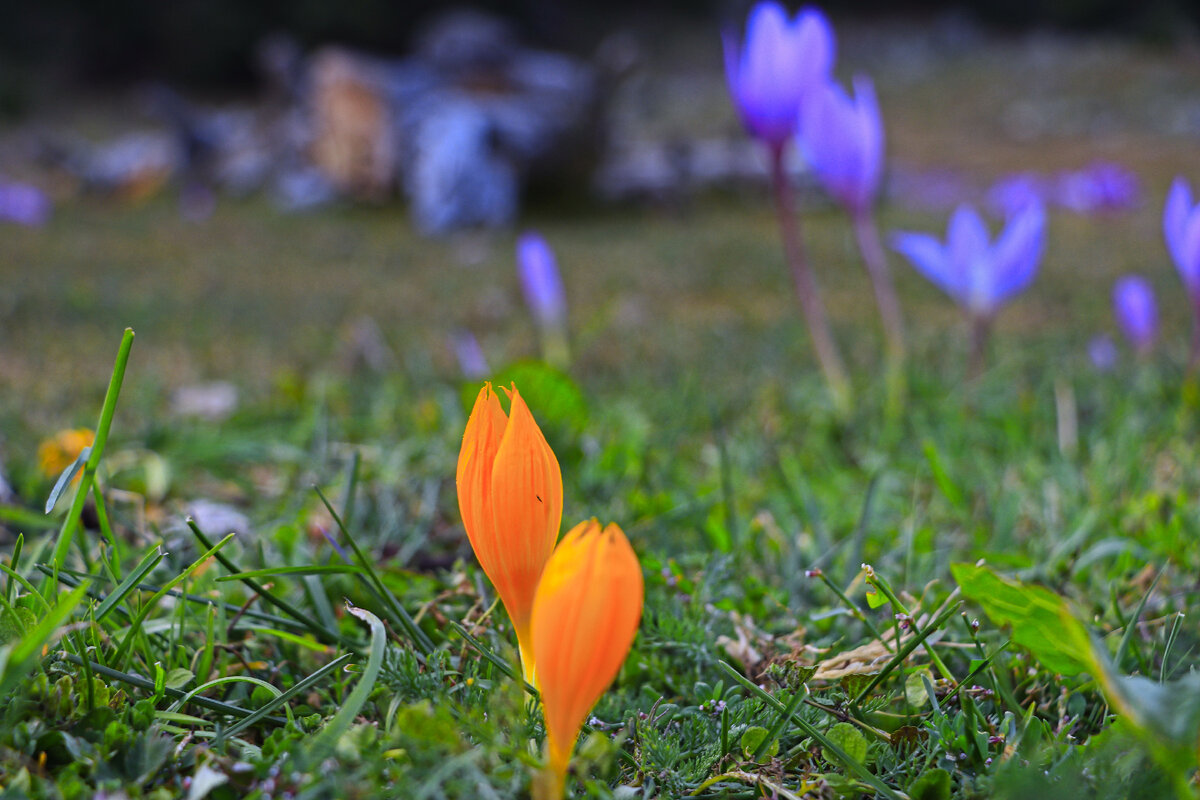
[843, 142]
[1017, 252]
[1175, 221]
[977, 274]
[1136, 311]
[777, 64]
[540, 280]
[929, 257]
[1102, 352]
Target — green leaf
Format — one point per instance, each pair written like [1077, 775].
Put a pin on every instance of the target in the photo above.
[874, 598]
[933, 784]
[556, 401]
[178, 678]
[753, 738]
[1040, 619]
[914, 689]
[850, 740]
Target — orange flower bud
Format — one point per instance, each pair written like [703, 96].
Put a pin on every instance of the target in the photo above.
[585, 616]
[59, 451]
[510, 496]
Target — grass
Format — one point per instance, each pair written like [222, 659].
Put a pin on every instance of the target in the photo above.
[815, 622]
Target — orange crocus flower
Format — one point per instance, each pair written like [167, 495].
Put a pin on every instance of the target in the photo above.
[510, 495]
[585, 616]
[59, 451]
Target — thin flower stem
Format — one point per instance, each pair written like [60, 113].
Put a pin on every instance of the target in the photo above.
[806, 287]
[873, 255]
[855, 610]
[1194, 357]
[875, 259]
[981, 328]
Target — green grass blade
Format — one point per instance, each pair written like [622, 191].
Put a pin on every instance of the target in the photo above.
[65, 478]
[127, 642]
[864, 774]
[148, 685]
[320, 631]
[312, 569]
[780, 722]
[67, 533]
[403, 618]
[1131, 625]
[22, 654]
[341, 721]
[485, 651]
[292, 691]
[131, 582]
[14, 563]
[903, 652]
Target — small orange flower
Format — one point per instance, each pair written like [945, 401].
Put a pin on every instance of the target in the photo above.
[510, 495]
[60, 450]
[585, 616]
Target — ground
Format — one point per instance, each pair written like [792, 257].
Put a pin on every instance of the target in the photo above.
[692, 414]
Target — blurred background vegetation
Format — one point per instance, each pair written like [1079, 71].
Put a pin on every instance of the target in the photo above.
[208, 43]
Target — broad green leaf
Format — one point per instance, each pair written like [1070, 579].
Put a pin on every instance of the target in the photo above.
[752, 739]
[914, 688]
[850, 740]
[1040, 619]
[556, 400]
[933, 784]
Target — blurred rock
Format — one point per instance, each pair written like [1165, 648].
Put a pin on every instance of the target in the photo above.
[354, 141]
[131, 167]
[213, 401]
[217, 519]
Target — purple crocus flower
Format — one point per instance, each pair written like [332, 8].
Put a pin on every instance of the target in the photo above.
[1136, 312]
[842, 138]
[471, 359]
[980, 275]
[24, 204]
[540, 280]
[1010, 194]
[1102, 352]
[1181, 226]
[778, 61]
[1098, 188]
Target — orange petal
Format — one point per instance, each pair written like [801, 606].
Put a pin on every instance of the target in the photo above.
[526, 500]
[481, 440]
[585, 617]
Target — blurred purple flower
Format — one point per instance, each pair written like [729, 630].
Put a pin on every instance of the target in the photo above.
[1100, 187]
[777, 63]
[540, 280]
[1181, 226]
[1102, 352]
[1011, 194]
[842, 138]
[24, 204]
[979, 275]
[470, 356]
[1136, 312]
[1097, 188]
